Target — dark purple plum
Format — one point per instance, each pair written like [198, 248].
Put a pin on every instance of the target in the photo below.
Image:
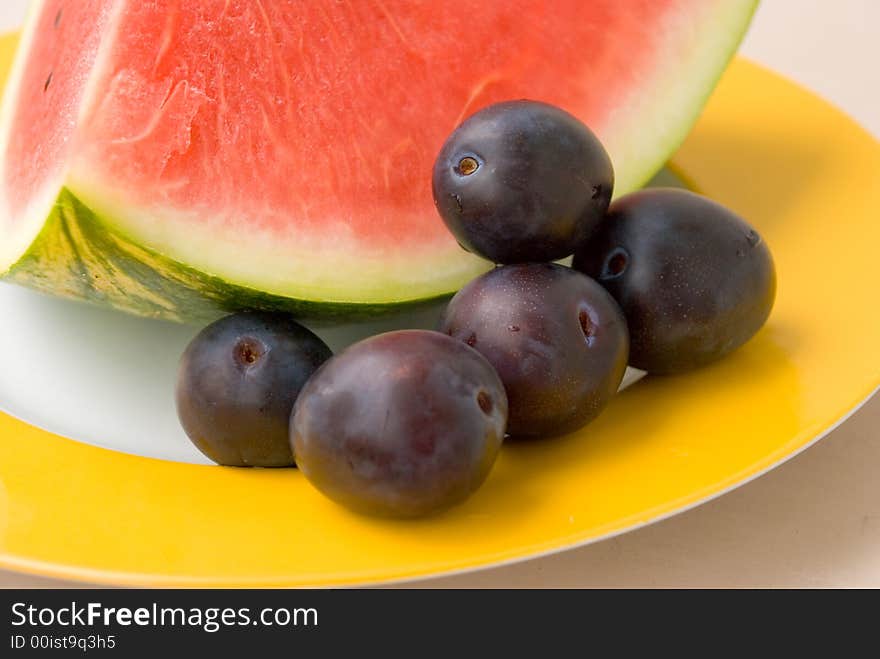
[237, 383]
[522, 181]
[402, 424]
[694, 280]
[556, 338]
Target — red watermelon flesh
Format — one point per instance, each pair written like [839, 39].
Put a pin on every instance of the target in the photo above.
[222, 153]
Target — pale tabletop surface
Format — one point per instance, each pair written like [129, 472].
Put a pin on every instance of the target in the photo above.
[814, 521]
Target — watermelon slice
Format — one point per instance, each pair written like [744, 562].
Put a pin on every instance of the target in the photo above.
[181, 158]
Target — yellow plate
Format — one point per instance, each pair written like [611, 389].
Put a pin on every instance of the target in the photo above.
[807, 176]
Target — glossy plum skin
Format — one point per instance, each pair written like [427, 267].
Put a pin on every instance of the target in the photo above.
[402, 424]
[556, 338]
[694, 280]
[522, 181]
[237, 382]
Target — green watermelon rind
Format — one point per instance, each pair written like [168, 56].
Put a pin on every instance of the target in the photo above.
[80, 255]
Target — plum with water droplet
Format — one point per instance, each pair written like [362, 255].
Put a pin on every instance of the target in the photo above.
[557, 339]
[402, 424]
[522, 181]
[237, 382]
[695, 281]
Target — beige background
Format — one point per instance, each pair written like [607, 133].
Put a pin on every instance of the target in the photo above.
[814, 521]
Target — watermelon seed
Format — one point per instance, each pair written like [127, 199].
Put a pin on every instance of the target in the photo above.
[467, 166]
[48, 81]
[58, 17]
[472, 340]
